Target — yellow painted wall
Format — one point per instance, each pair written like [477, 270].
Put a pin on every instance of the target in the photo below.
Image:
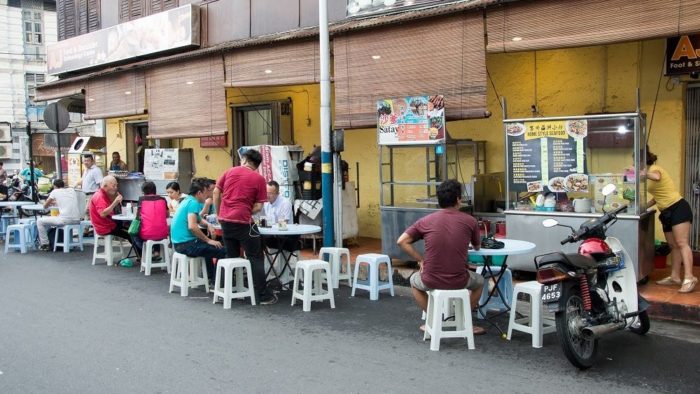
[558, 82]
[115, 133]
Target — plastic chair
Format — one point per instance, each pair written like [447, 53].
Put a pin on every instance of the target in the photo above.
[186, 272]
[534, 324]
[313, 289]
[147, 256]
[108, 252]
[335, 258]
[230, 268]
[440, 301]
[372, 284]
[68, 231]
[22, 238]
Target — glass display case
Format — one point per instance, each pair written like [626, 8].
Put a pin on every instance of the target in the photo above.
[556, 168]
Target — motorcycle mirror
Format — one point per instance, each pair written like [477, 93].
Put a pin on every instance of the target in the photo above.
[608, 189]
[550, 223]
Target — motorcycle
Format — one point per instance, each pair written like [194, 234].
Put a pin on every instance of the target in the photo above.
[592, 292]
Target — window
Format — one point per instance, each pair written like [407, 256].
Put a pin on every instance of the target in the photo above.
[33, 27]
[134, 9]
[31, 81]
[76, 17]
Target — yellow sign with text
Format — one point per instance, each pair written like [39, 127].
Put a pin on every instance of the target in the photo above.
[553, 129]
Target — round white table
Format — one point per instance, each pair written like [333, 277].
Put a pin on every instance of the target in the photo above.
[124, 217]
[35, 207]
[292, 229]
[14, 204]
[510, 247]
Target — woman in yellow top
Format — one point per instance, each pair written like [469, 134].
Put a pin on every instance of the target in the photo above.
[675, 216]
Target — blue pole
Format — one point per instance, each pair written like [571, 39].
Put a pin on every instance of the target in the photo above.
[326, 157]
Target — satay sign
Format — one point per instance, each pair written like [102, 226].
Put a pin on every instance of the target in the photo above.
[683, 55]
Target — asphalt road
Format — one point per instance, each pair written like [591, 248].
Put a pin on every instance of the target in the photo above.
[69, 327]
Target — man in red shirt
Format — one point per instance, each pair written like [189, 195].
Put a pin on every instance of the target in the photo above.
[240, 192]
[447, 234]
[102, 206]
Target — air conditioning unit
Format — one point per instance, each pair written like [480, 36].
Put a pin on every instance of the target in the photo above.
[6, 150]
[5, 132]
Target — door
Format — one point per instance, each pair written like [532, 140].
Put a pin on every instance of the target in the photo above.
[263, 124]
[692, 160]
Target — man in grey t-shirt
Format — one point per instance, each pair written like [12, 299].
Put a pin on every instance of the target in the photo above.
[92, 176]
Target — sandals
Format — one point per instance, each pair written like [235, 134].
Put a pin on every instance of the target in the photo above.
[668, 281]
[688, 285]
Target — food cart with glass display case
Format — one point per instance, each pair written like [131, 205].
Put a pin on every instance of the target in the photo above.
[556, 168]
[416, 155]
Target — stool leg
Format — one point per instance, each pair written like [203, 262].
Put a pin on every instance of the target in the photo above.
[335, 269]
[205, 276]
[228, 284]
[467, 315]
[536, 321]
[354, 280]
[173, 274]
[428, 316]
[511, 321]
[251, 290]
[330, 291]
[217, 283]
[308, 286]
[146, 263]
[459, 313]
[373, 282]
[390, 274]
[437, 328]
[185, 267]
[295, 288]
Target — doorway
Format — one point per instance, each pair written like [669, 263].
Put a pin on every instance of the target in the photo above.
[692, 159]
[267, 123]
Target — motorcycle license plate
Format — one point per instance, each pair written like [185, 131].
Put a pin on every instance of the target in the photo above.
[551, 293]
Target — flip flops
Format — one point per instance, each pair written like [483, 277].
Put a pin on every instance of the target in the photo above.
[668, 281]
[688, 285]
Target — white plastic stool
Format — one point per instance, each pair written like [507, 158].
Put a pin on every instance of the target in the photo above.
[313, 289]
[229, 291]
[505, 286]
[69, 230]
[335, 258]
[31, 221]
[440, 301]
[109, 251]
[6, 220]
[538, 326]
[186, 272]
[372, 284]
[147, 256]
[22, 239]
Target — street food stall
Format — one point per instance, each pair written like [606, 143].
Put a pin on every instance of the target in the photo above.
[556, 168]
[415, 155]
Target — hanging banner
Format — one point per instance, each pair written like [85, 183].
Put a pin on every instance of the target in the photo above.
[547, 155]
[411, 120]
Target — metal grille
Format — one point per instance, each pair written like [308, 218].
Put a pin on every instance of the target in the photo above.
[692, 161]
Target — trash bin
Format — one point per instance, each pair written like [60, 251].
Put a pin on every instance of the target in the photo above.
[661, 251]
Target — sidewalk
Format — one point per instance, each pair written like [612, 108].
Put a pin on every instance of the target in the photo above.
[666, 302]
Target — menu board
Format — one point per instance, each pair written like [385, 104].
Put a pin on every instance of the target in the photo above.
[411, 120]
[547, 155]
[160, 164]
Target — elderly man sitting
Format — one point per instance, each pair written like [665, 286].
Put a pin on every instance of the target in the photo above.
[102, 206]
[66, 200]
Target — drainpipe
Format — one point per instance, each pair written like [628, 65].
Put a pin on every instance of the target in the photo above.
[326, 159]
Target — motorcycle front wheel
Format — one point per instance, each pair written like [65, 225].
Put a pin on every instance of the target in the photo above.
[570, 320]
[642, 325]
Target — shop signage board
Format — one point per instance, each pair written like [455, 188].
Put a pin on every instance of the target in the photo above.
[547, 155]
[213, 141]
[160, 164]
[411, 120]
[163, 31]
[682, 55]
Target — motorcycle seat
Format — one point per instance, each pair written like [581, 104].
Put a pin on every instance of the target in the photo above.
[573, 259]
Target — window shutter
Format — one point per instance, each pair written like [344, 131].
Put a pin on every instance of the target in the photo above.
[131, 9]
[93, 21]
[187, 99]
[82, 12]
[59, 89]
[161, 5]
[287, 63]
[451, 62]
[115, 96]
[67, 19]
[592, 22]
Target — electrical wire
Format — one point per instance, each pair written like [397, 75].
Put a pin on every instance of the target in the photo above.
[656, 100]
[498, 96]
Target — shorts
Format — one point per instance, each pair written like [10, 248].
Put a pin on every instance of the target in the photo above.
[677, 213]
[475, 282]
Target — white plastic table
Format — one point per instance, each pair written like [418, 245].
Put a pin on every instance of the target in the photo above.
[13, 205]
[124, 217]
[511, 247]
[275, 232]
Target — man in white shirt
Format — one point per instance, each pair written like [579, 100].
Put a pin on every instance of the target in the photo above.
[92, 176]
[66, 200]
[276, 208]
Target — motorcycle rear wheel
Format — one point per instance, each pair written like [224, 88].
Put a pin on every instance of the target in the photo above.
[642, 325]
[570, 320]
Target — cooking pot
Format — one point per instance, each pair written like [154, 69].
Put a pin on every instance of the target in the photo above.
[582, 205]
